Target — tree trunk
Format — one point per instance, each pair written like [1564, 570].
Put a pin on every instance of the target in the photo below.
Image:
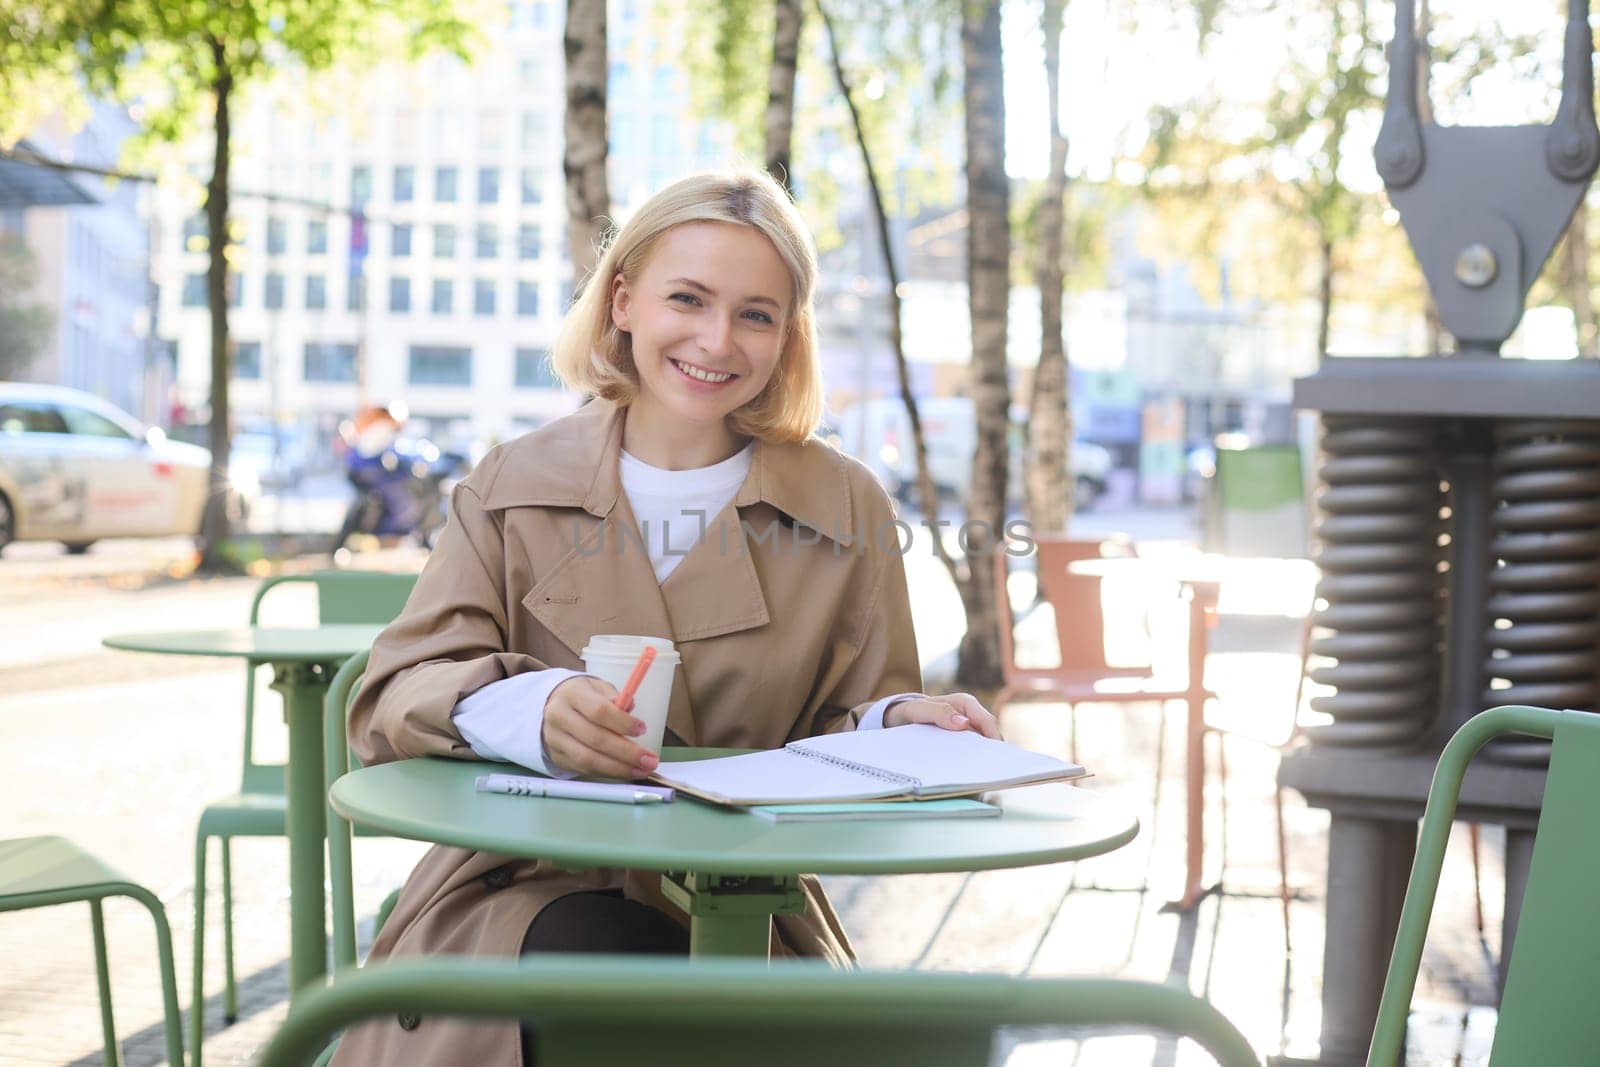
[584, 159]
[788, 22]
[988, 266]
[927, 495]
[1047, 475]
[1576, 275]
[1324, 293]
[215, 524]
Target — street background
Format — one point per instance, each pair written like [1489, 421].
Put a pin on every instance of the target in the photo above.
[120, 752]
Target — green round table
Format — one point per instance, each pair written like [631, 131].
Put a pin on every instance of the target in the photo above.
[730, 870]
[302, 661]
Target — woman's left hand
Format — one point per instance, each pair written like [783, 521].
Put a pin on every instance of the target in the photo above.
[952, 711]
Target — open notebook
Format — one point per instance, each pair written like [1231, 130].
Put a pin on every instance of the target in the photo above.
[916, 760]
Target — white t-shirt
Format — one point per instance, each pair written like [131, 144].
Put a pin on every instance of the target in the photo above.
[505, 720]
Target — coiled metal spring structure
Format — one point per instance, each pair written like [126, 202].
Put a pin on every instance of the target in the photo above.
[1544, 607]
[1378, 611]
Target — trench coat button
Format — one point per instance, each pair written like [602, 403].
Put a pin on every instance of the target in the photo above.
[497, 879]
[408, 1022]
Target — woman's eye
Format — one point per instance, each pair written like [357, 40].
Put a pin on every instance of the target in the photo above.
[687, 298]
[760, 316]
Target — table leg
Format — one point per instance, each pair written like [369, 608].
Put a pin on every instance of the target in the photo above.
[732, 915]
[302, 687]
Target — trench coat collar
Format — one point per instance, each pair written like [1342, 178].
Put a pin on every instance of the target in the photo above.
[573, 462]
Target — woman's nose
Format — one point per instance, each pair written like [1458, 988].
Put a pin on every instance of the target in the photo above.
[717, 337]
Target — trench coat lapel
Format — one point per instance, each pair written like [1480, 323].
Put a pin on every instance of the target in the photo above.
[605, 585]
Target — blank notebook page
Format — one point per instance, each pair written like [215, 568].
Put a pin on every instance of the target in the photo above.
[778, 775]
[941, 759]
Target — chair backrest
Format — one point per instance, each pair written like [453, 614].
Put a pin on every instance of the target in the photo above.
[1075, 600]
[342, 597]
[722, 1013]
[1547, 1010]
[337, 760]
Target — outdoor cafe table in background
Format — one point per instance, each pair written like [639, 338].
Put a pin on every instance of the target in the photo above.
[303, 661]
[1199, 579]
[730, 870]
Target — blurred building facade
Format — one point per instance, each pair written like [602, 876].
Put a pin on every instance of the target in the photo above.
[447, 290]
[91, 257]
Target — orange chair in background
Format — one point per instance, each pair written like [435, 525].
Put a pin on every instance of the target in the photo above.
[1082, 673]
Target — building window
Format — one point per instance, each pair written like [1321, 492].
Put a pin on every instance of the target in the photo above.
[488, 185]
[277, 237]
[405, 184]
[399, 294]
[483, 297]
[528, 241]
[316, 292]
[443, 301]
[195, 229]
[532, 185]
[533, 135]
[194, 291]
[491, 132]
[273, 297]
[355, 292]
[360, 186]
[316, 237]
[444, 241]
[440, 365]
[444, 185]
[488, 242]
[247, 360]
[528, 299]
[533, 369]
[400, 239]
[327, 362]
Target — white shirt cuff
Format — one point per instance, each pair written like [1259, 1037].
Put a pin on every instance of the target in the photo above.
[505, 720]
[873, 717]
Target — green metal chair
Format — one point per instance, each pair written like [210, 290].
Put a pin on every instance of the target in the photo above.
[37, 872]
[337, 760]
[731, 1013]
[1547, 1011]
[258, 809]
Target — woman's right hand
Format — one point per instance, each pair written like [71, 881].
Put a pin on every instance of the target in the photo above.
[585, 731]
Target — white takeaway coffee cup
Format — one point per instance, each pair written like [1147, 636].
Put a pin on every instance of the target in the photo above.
[612, 657]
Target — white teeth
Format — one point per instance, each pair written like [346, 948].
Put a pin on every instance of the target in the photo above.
[701, 375]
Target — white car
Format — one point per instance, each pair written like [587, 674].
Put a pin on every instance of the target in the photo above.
[76, 469]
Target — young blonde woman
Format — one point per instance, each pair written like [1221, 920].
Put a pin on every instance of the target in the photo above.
[770, 559]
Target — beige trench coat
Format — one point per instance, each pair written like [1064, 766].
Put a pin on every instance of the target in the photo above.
[791, 616]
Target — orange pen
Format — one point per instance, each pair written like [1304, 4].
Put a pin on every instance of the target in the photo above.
[624, 699]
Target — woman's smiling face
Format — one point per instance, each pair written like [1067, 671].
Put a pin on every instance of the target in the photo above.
[707, 314]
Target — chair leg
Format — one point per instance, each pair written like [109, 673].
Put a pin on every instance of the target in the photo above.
[172, 1025]
[197, 1001]
[230, 992]
[1283, 867]
[102, 974]
[1477, 875]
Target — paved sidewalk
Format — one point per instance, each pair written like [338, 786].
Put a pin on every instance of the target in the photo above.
[122, 755]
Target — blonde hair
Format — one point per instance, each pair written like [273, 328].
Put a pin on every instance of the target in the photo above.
[593, 356]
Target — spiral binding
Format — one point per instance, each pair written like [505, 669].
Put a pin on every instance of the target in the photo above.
[912, 784]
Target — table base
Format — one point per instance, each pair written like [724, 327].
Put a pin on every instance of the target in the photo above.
[731, 915]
